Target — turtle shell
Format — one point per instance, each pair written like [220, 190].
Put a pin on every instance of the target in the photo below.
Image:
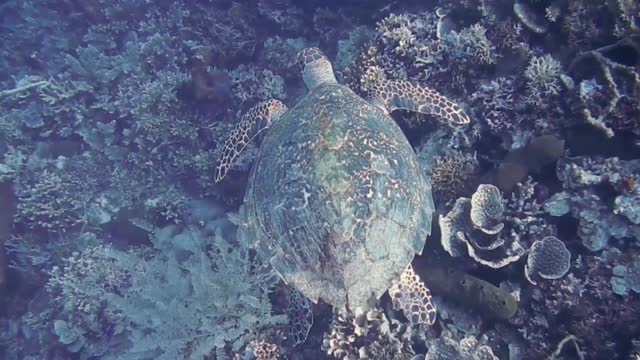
[336, 201]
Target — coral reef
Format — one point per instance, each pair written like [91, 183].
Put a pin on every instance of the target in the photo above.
[450, 174]
[548, 258]
[463, 229]
[599, 193]
[626, 278]
[105, 290]
[113, 113]
[468, 348]
[588, 305]
[367, 335]
[608, 90]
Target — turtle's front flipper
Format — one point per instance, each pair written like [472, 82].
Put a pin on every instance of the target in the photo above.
[414, 299]
[256, 120]
[393, 95]
[300, 317]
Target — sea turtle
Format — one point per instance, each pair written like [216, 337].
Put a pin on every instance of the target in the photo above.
[336, 200]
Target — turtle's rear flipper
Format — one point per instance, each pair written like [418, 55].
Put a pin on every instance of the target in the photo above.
[255, 121]
[300, 317]
[393, 95]
[414, 299]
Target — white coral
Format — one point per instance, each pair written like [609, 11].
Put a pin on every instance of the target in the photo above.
[543, 78]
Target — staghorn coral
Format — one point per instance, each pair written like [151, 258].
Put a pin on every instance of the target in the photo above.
[620, 18]
[423, 47]
[349, 48]
[543, 79]
[284, 13]
[496, 101]
[230, 32]
[470, 45]
[608, 97]
[451, 173]
[279, 55]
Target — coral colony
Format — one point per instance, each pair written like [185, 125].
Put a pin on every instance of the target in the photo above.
[279, 179]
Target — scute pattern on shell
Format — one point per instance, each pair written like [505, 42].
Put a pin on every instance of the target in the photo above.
[337, 196]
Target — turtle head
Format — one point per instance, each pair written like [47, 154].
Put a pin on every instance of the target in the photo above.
[316, 68]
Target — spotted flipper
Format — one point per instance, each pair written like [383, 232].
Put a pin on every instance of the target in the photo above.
[410, 295]
[393, 95]
[300, 317]
[255, 121]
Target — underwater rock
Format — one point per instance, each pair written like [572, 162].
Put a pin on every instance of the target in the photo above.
[465, 290]
[538, 153]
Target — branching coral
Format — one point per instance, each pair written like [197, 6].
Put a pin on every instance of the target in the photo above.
[609, 101]
[205, 289]
[497, 101]
[280, 54]
[252, 84]
[543, 78]
[367, 335]
[451, 174]
[51, 202]
[470, 45]
[446, 347]
[284, 13]
[420, 46]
